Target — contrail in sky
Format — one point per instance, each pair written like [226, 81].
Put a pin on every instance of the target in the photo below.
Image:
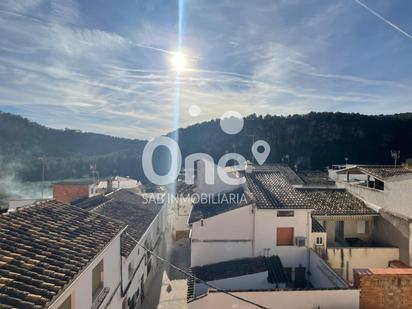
[384, 19]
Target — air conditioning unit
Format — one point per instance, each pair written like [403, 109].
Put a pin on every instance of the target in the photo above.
[300, 241]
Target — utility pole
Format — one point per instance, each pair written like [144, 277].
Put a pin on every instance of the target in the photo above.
[42, 178]
[253, 142]
[395, 154]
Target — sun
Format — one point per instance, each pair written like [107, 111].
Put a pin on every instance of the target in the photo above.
[178, 61]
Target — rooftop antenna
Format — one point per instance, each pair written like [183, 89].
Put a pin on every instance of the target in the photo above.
[286, 157]
[42, 178]
[395, 154]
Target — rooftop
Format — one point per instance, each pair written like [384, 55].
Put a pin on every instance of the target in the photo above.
[44, 248]
[218, 203]
[271, 188]
[242, 267]
[335, 202]
[315, 178]
[381, 172]
[284, 169]
[133, 210]
[92, 202]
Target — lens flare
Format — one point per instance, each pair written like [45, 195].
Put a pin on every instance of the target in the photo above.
[179, 61]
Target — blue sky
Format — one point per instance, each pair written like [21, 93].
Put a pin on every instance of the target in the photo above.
[104, 66]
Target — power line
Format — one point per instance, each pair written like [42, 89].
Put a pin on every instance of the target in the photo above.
[194, 277]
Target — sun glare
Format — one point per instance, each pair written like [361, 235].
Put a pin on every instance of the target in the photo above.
[178, 61]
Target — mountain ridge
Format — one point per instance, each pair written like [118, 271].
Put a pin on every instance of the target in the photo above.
[312, 140]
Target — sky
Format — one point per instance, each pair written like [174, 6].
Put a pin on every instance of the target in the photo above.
[105, 66]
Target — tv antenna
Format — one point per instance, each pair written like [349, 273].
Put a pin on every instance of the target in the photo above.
[395, 154]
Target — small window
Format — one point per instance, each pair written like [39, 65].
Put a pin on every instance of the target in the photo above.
[284, 236]
[286, 213]
[319, 241]
[97, 279]
[67, 304]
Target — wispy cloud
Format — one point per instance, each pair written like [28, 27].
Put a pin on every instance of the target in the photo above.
[106, 68]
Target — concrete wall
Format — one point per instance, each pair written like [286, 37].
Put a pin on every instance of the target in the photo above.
[231, 225]
[179, 214]
[395, 231]
[255, 281]
[266, 226]
[292, 299]
[81, 289]
[132, 283]
[322, 275]
[398, 196]
[370, 195]
[230, 235]
[223, 237]
[203, 253]
[344, 260]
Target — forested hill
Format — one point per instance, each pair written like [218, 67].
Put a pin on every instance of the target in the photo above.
[314, 140]
[67, 153]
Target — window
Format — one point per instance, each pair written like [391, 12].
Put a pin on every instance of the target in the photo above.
[286, 213]
[97, 279]
[362, 227]
[67, 304]
[319, 241]
[284, 236]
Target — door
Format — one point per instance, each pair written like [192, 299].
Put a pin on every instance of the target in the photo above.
[339, 231]
[300, 277]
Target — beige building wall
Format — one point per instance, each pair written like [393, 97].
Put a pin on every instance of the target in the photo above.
[344, 260]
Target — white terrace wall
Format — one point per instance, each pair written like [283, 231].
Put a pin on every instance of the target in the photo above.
[290, 299]
[221, 238]
[352, 258]
[322, 275]
[266, 226]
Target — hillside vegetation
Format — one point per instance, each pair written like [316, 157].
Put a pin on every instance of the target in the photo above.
[314, 140]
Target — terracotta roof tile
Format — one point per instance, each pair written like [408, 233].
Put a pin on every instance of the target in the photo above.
[132, 209]
[44, 247]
